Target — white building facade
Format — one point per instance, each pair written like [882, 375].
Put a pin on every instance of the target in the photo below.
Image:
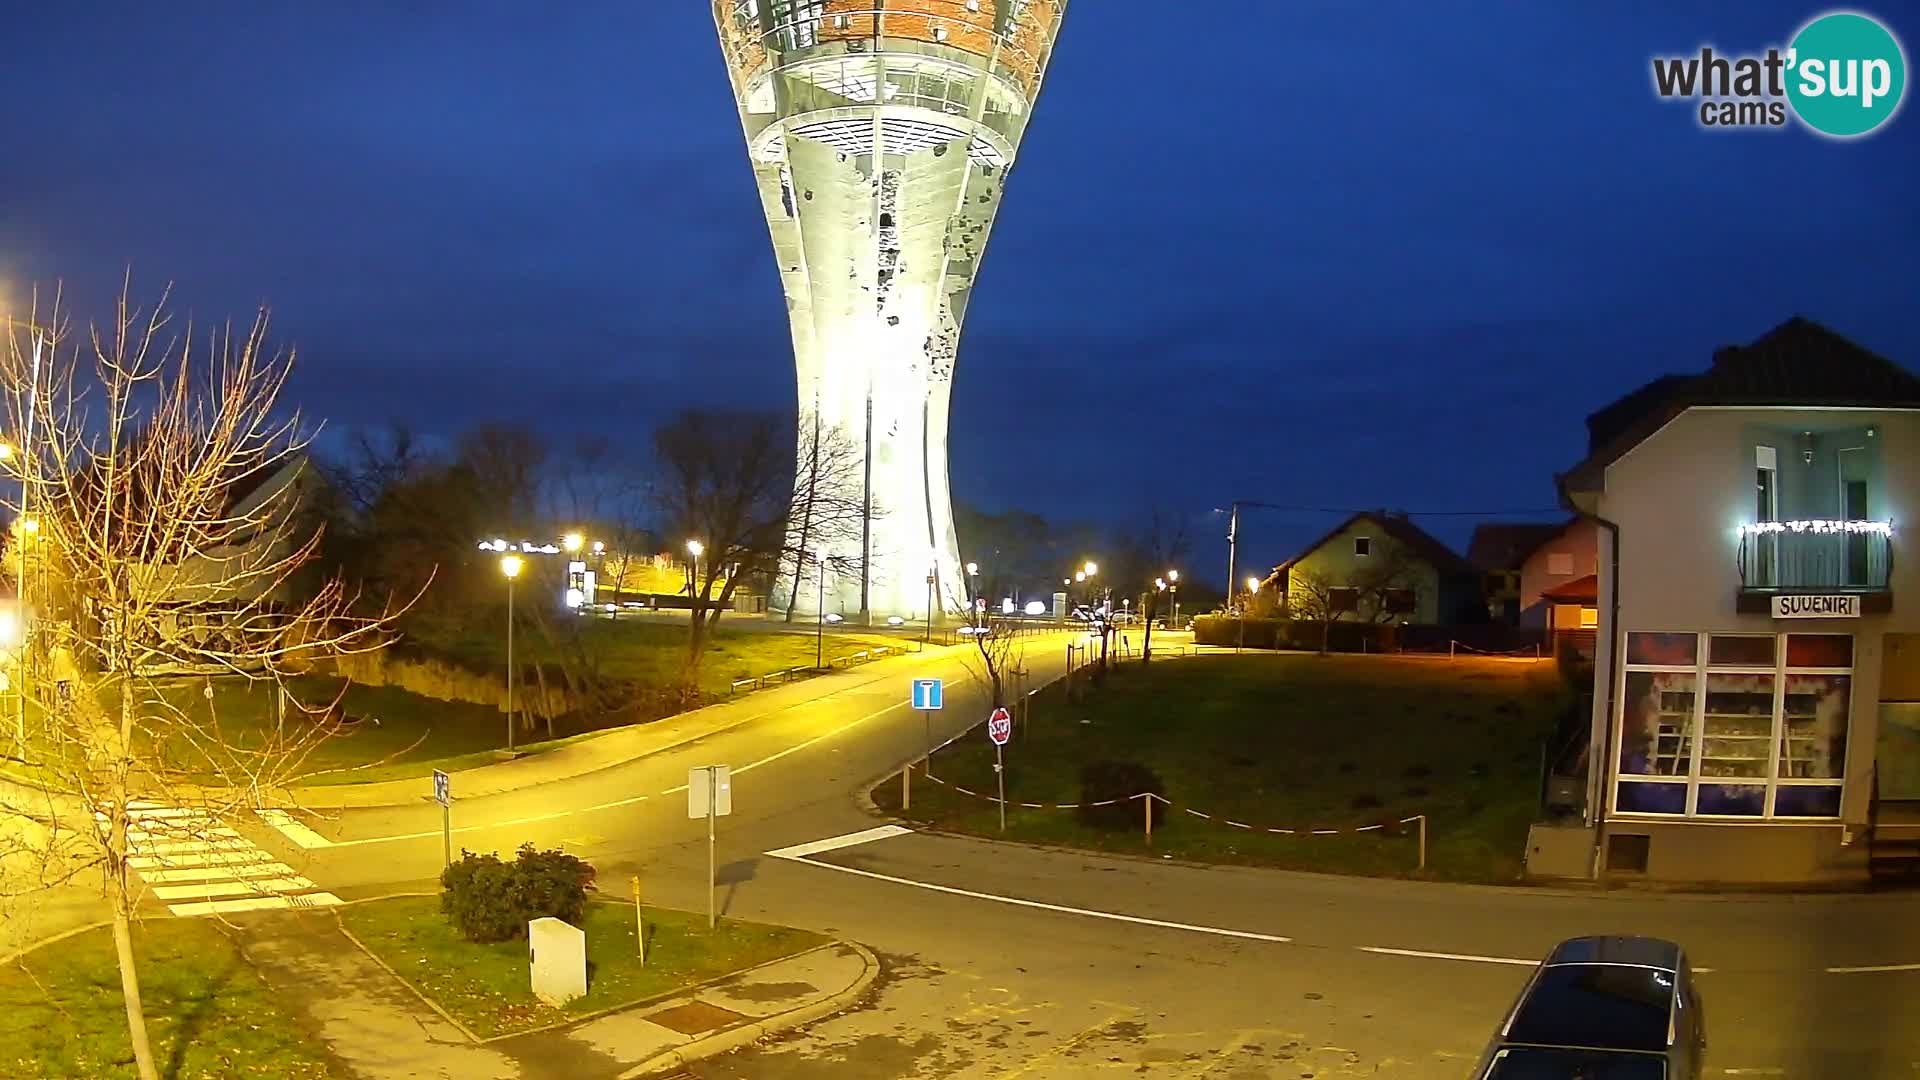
[881, 136]
[1758, 639]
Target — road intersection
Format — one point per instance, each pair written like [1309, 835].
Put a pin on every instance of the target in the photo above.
[1009, 961]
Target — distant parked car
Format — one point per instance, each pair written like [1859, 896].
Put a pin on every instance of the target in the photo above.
[1603, 1008]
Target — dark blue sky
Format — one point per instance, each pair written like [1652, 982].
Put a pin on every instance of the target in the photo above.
[1386, 255]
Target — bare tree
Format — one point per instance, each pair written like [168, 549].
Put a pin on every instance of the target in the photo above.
[1383, 587]
[828, 502]
[1313, 597]
[725, 480]
[1153, 548]
[161, 477]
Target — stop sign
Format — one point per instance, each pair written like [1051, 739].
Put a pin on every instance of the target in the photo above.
[1000, 727]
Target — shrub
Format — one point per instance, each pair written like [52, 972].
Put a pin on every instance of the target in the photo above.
[1118, 781]
[489, 900]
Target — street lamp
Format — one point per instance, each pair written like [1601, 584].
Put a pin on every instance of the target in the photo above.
[933, 572]
[695, 548]
[820, 609]
[573, 542]
[973, 585]
[510, 566]
[1173, 588]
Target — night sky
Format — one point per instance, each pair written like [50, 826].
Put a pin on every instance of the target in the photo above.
[1383, 256]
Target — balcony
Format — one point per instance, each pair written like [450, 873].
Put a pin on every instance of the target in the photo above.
[1824, 557]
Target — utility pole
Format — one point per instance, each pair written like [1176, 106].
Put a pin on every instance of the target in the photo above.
[1233, 541]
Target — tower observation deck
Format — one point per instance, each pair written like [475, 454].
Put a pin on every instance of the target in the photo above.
[881, 133]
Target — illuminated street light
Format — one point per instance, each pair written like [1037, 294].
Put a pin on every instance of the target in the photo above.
[1253, 584]
[1079, 575]
[696, 548]
[1092, 569]
[510, 567]
[573, 541]
[6, 451]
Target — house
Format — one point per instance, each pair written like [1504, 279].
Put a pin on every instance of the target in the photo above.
[1559, 581]
[1380, 567]
[1754, 675]
[1498, 549]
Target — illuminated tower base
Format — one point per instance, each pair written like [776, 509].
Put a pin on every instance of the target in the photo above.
[881, 135]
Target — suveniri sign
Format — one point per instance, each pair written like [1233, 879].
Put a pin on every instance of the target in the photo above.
[1842, 606]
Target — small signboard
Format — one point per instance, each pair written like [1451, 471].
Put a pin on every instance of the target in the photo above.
[1000, 727]
[706, 782]
[442, 788]
[1838, 606]
[928, 694]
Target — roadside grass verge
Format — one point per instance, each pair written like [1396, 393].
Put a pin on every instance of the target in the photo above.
[486, 987]
[208, 1013]
[1279, 741]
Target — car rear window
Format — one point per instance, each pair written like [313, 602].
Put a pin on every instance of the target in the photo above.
[1605, 1006]
[1529, 1063]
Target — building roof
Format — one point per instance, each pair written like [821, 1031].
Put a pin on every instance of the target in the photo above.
[1416, 540]
[1799, 362]
[1499, 545]
[1584, 590]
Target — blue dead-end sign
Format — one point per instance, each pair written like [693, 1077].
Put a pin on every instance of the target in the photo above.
[927, 694]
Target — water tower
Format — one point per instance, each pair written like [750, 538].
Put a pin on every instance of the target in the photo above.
[881, 133]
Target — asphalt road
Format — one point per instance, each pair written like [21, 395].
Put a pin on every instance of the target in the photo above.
[1006, 962]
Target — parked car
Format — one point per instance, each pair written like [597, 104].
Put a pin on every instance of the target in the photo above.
[1603, 1008]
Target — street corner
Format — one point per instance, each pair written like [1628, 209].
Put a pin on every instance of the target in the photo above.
[773, 999]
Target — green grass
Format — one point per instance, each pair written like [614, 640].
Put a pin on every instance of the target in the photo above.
[208, 1013]
[1281, 742]
[486, 986]
[654, 653]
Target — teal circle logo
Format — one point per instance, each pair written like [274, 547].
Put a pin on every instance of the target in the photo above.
[1846, 74]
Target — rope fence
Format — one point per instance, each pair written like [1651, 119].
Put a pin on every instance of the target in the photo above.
[1456, 647]
[906, 802]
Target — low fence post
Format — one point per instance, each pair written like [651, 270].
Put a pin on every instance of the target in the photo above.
[1423, 841]
[906, 787]
[639, 923]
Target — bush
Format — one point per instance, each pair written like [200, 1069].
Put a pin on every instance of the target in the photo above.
[1118, 781]
[489, 900]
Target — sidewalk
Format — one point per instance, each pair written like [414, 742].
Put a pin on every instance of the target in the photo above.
[621, 745]
[376, 1025]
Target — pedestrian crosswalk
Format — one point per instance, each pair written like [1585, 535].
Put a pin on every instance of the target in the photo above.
[199, 866]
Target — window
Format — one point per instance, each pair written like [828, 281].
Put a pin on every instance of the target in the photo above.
[1589, 618]
[1343, 599]
[1399, 601]
[1734, 725]
[1560, 564]
[1362, 546]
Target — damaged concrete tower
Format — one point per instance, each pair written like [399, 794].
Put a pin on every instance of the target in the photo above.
[881, 133]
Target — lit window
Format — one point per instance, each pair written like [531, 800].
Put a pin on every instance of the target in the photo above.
[1748, 726]
[1589, 618]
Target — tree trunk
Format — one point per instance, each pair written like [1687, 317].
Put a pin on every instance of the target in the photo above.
[130, 988]
[1146, 640]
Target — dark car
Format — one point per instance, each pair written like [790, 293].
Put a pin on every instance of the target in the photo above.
[1603, 1008]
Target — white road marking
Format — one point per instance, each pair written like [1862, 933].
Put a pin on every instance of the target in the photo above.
[255, 903]
[182, 853]
[213, 890]
[293, 829]
[1449, 956]
[835, 843]
[1872, 968]
[1760, 1071]
[1016, 901]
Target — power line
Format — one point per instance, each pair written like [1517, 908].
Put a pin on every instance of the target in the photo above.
[1557, 510]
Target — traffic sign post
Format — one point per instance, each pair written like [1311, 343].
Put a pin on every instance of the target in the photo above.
[1000, 729]
[929, 696]
[710, 795]
[443, 794]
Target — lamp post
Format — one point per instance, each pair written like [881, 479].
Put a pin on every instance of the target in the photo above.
[695, 548]
[820, 609]
[27, 523]
[1173, 590]
[933, 572]
[973, 585]
[510, 566]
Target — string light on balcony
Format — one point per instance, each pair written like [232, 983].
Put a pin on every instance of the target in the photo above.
[1875, 528]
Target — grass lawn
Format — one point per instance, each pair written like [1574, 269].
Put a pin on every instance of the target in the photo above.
[1281, 741]
[486, 986]
[413, 735]
[208, 1013]
[652, 652]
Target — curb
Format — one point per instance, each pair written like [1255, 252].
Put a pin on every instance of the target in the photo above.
[727, 1040]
